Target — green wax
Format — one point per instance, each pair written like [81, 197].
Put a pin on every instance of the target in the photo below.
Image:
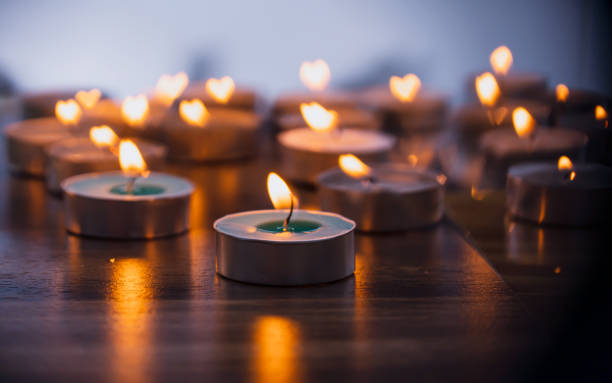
[139, 189]
[296, 226]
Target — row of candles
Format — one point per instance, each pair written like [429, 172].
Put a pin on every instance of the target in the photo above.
[332, 145]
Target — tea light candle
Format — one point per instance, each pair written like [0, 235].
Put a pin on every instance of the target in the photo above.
[404, 107]
[197, 134]
[119, 205]
[222, 93]
[26, 140]
[562, 194]
[309, 151]
[42, 104]
[353, 118]
[383, 198]
[504, 147]
[78, 155]
[285, 247]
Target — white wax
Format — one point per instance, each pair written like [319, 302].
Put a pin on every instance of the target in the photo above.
[244, 225]
[337, 142]
[98, 186]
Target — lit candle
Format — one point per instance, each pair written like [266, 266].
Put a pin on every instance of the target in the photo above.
[132, 203]
[78, 155]
[199, 134]
[287, 246]
[504, 147]
[386, 197]
[308, 151]
[42, 104]
[560, 194]
[222, 93]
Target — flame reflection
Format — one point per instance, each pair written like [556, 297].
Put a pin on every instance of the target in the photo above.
[277, 341]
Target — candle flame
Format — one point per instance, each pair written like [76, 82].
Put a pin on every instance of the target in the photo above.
[572, 175]
[135, 109]
[353, 166]
[501, 60]
[88, 99]
[315, 75]
[600, 113]
[221, 89]
[68, 112]
[564, 163]
[279, 192]
[169, 87]
[130, 159]
[524, 124]
[562, 92]
[318, 118]
[487, 89]
[103, 136]
[405, 88]
[413, 159]
[193, 112]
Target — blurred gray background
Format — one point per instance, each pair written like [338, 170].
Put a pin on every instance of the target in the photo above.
[124, 46]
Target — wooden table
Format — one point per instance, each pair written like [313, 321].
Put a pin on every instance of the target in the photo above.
[422, 305]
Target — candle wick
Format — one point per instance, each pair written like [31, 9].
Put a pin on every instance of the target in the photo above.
[129, 187]
[286, 221]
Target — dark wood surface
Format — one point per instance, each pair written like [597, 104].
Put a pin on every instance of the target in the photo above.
[422, 306]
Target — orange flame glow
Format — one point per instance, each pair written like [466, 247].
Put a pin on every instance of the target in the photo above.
[68, 112]
[487, 89]
[103, 136]
[600, 113]
[221, 89]
[135, 109]
[193, 112]
[562, 92]
[353, 166]
[169, 87]
[564, 163]
[130, 159]
[315, 75]
[88, 99]
[318, 118]
[524, 124]
[405, 88]
[279, 192]
[572, 175]
[501, 60]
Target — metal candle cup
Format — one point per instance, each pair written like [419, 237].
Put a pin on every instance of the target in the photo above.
[93, 207]
[394, 197]
[541, 193]
[307, 153]
[75, 156]
[247, 252]
[289, 103]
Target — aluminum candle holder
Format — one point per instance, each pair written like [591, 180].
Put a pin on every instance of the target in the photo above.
[307, 153]
[393, 197]
[541, 193]
[75, 156]
[289, 103]
[27, 140]
[97, 205]
[353, 118]
[320, 248]
[228, 134]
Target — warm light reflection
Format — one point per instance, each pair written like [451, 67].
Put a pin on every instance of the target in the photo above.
[88, 99]
[572, 175]
[353, 166]
[524, 124]
[135, 109]
[277, 342]
[130, 159]
[487, 89]
[413, 159]
[169, 87]
[103, 136]
[68, 112]
[501, 60]
[279, 192]
[564, 163]
[221, 89]
[562, 92]
[318, 118]
[477, 194]
[193, 112]
[405, 88]
[315, 75]
[600, 113]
